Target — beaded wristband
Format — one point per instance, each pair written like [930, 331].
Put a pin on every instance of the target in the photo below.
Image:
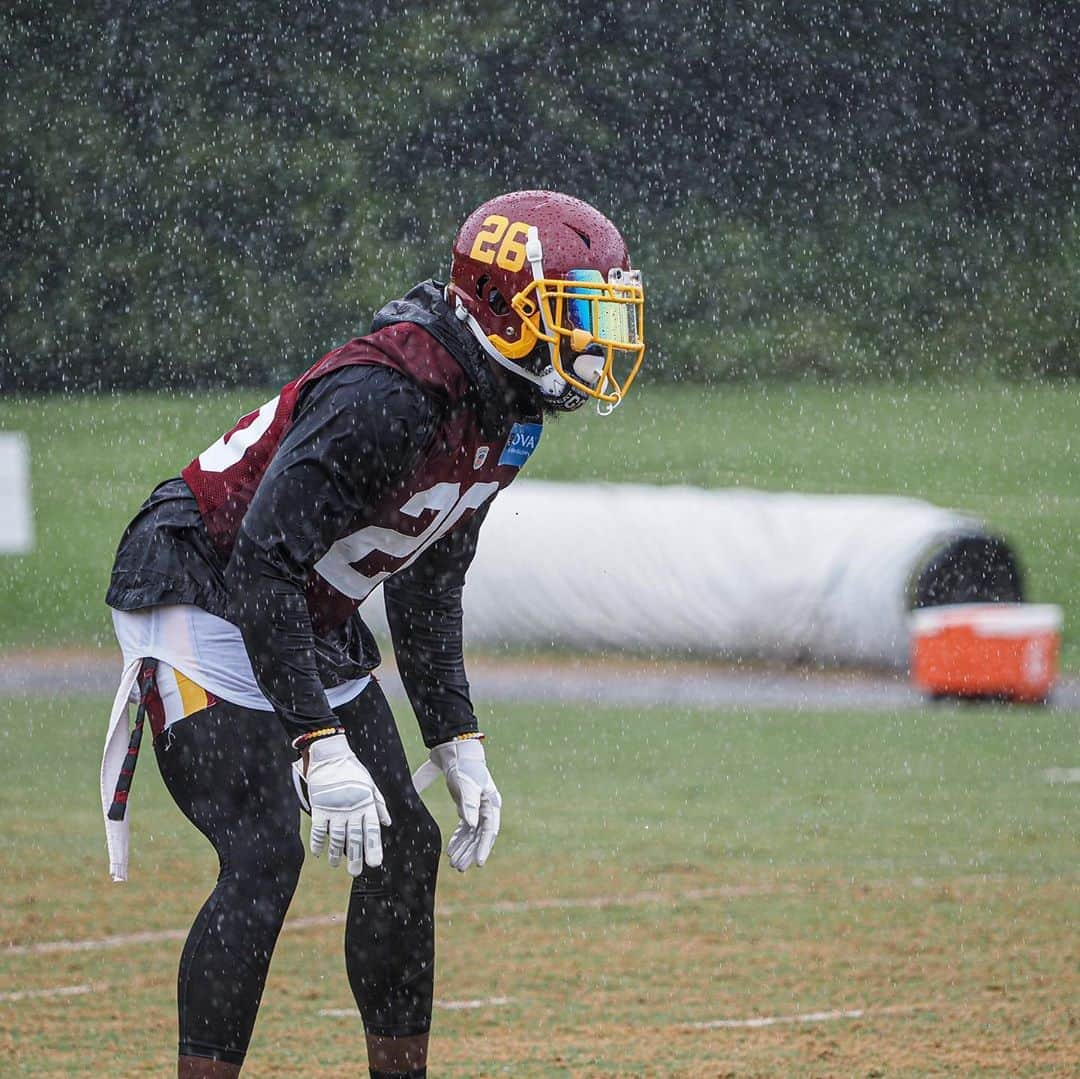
[314, 736]
[468, 736]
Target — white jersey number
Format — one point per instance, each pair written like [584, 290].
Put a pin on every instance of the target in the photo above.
[445, 500]
[224, 454]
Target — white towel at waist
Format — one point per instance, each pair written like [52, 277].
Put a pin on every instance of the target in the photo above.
[211, 652]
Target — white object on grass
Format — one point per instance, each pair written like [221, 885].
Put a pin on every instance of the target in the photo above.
[16, 519]
[733, 573]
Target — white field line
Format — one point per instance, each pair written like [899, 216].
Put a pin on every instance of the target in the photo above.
[470, 1005]
[507, 906]
[524, 906]
[758, 1021]
[97, 944]
[446, 1005]
[751, 1023]
[1062, 775]
[57, 991]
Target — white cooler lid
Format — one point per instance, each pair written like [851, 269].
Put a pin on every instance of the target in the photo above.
[988, 619]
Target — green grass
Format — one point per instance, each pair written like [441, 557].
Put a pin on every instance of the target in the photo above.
[1005, 452]
[917, 858]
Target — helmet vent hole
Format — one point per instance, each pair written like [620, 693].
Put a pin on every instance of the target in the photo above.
[497, 303]
[583, 236]
[481, 285]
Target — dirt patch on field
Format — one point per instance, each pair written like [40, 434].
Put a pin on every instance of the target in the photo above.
[785, 976]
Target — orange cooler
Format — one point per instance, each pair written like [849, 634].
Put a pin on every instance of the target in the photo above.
[1007, 650]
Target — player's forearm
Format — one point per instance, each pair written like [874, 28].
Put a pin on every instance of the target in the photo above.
[271, 613]
[351, 438]
[427, 637]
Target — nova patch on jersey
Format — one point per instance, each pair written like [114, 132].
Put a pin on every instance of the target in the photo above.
[524, 438]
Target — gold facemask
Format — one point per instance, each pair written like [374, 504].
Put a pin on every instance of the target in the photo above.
[594, 328]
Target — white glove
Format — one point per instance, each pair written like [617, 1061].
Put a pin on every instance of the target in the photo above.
[475, 795]
[346, 806]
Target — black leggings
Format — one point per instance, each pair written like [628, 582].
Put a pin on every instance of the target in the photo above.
[229, 769]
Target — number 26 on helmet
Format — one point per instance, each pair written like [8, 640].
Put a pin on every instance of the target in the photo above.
[544, 282]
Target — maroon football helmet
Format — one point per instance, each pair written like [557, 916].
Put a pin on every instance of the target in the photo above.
[544, 282]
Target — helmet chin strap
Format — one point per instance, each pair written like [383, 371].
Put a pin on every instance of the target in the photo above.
[549, 381]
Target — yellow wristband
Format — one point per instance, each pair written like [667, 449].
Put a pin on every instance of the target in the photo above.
[314, 736]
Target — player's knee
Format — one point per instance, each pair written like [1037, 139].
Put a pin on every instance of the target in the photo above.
[291, 862]
[269, 872]
[411, 848]
[420, 843]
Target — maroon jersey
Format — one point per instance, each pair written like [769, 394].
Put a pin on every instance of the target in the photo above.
[460, 469]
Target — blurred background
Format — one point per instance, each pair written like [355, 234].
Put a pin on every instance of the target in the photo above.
[207, 196]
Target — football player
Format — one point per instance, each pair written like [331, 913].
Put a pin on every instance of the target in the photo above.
[235, 592]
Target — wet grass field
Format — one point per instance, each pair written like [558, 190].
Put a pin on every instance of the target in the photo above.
[1004, 452]
[675, 893]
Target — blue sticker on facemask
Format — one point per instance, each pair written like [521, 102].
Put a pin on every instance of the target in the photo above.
[524, 438]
